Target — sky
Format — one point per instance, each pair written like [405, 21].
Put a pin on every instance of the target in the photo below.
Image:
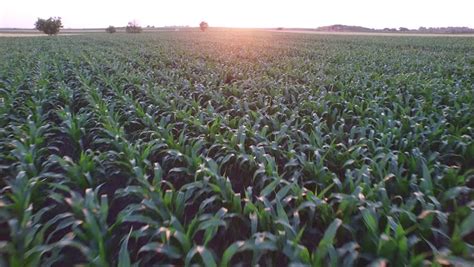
[241, 13]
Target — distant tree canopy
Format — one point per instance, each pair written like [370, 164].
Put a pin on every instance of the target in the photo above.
[111, 29]
[49, 26]
[133, 27]
[203, 25]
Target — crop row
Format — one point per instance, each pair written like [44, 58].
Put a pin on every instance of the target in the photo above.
[222, 148]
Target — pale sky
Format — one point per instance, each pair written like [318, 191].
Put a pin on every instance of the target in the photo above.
[241, 13]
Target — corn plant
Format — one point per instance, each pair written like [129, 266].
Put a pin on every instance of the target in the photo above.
[236, 148]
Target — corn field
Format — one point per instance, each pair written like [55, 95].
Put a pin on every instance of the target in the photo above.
[236, 148]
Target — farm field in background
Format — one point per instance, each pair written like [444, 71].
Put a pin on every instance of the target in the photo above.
[229, 147]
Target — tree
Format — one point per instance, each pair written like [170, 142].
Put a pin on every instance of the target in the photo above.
[203, 25]
[133, 27]
[403, 29]
[111, 29]
[49, 26]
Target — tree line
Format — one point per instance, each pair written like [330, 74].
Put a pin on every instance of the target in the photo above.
[53, 25]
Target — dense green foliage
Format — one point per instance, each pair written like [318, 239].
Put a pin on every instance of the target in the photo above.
[133, 27]
[49, 26]
[236, 147]
[111, 29]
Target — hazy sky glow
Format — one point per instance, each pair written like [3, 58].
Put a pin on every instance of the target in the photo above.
[241, 13]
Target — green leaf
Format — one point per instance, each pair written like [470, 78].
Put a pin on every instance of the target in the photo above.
[124, 257]
[206, 256]
[370, 221]
[426, 183]
[230, 252]
[326, 243]
[330, 233]
[160, 248]
[467, 225]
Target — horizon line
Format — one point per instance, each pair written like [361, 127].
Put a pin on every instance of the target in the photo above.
[236, 27]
